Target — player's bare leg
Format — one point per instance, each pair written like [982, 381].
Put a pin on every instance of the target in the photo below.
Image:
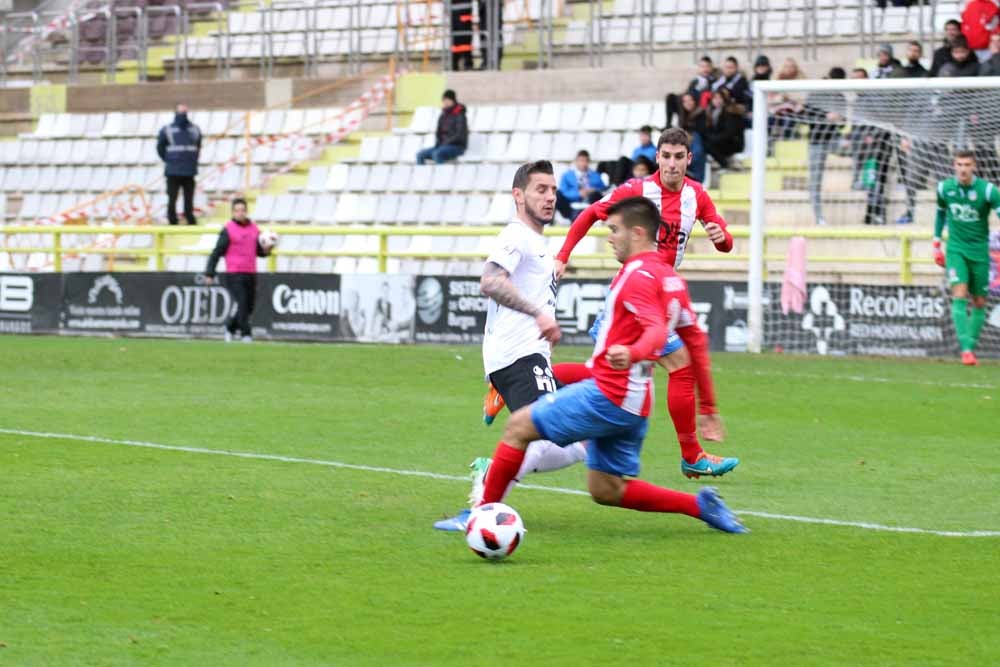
[695, 461]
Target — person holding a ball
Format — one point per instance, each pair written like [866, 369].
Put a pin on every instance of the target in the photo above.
[241, 242]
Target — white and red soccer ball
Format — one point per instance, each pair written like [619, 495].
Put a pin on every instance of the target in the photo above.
[494, 531]
[267, 239]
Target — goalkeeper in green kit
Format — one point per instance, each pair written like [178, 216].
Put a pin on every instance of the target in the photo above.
[964, 203]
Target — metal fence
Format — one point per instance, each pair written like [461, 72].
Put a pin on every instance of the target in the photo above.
[449, 35]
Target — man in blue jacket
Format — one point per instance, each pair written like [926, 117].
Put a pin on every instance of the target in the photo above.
[581, 186]
[179, 145]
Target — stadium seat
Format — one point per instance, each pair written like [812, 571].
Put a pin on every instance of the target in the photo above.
[369, 149]
[378, 178]
[357, 178]
[409, 207]
[519, 148]
[389, 150]
[484, 119]
[501, 209]
[317, 179]
[424, 120]
[421, 179]
[385, 211]
[453, 210]
[325, 209]
[443, 178]
[399, 178]
[496, 147]
[431, 210]
[486, 178]
[337, 178]
[347, 208]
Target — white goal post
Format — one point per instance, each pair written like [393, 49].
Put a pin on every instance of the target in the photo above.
[937, 115]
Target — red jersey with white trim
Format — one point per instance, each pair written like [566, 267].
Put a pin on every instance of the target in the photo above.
[646, 299]
[678, 212]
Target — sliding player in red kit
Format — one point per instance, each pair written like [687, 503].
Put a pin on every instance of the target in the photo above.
[680, 202]
[610, 410]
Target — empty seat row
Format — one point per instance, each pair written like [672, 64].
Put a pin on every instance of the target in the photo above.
[212, 123]
[549, 117]
[78, 178]
[324, 42]
[143, 151]
[389, 209]
[503, 147]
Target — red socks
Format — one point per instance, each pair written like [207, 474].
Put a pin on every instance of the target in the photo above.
[681, 404]
[646, 497]
[696, 342]
[507, 461]
[571, 373]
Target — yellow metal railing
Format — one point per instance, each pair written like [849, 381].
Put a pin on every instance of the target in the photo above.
[159, 250]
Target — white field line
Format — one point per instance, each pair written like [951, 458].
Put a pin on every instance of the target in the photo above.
[866, 379]
[464, 478]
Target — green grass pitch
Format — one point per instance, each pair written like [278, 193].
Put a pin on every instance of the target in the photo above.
[123, 555]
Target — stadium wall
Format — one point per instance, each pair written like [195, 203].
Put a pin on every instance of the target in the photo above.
[909, 321]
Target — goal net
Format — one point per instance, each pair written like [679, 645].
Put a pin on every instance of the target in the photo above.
[843, 201]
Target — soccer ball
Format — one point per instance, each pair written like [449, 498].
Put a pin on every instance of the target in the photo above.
[267, 239]
[494, 531]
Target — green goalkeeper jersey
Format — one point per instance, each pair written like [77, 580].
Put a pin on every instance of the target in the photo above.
[966, 211]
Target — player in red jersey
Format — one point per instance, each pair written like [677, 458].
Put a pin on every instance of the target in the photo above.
[610, 410]
[680, 201]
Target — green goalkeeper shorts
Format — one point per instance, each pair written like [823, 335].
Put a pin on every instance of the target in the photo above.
[972, 272]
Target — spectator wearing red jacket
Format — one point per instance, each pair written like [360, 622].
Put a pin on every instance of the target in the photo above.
[979, 21]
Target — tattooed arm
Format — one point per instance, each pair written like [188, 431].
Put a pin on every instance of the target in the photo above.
[496, 284]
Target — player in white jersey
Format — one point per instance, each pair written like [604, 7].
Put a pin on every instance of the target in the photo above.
[521, 327]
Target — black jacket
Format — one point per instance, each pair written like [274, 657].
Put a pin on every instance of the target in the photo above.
[725, 134]
[942, 55]
[738, 87]
[916, 71]
[968, 67]
[179, 146]
[990, 67]
[886, 72]
[817, 105]
[453, 128]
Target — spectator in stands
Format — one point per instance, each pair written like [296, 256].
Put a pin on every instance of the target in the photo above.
[942, 54]
[991, 66]
[645, 148]
[620, 170]
[642, 167]
[872, 148]
[484, 32]
[723, 136]
[238, 243]
[179, 146]
[735, 83]
[452, 134]
[783, 107]
[913, 69]
[579, 187]
[461, 35]
[692, 120]
[825, 111]
[699, 87]
[912, 150]
[963, 60]
[887, 64]
[761, 72]
[980, 20]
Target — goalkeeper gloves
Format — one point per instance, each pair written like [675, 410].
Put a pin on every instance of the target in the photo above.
[938, 255]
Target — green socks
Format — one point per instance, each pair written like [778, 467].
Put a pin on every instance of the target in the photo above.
[960, 315]
[976, 321]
